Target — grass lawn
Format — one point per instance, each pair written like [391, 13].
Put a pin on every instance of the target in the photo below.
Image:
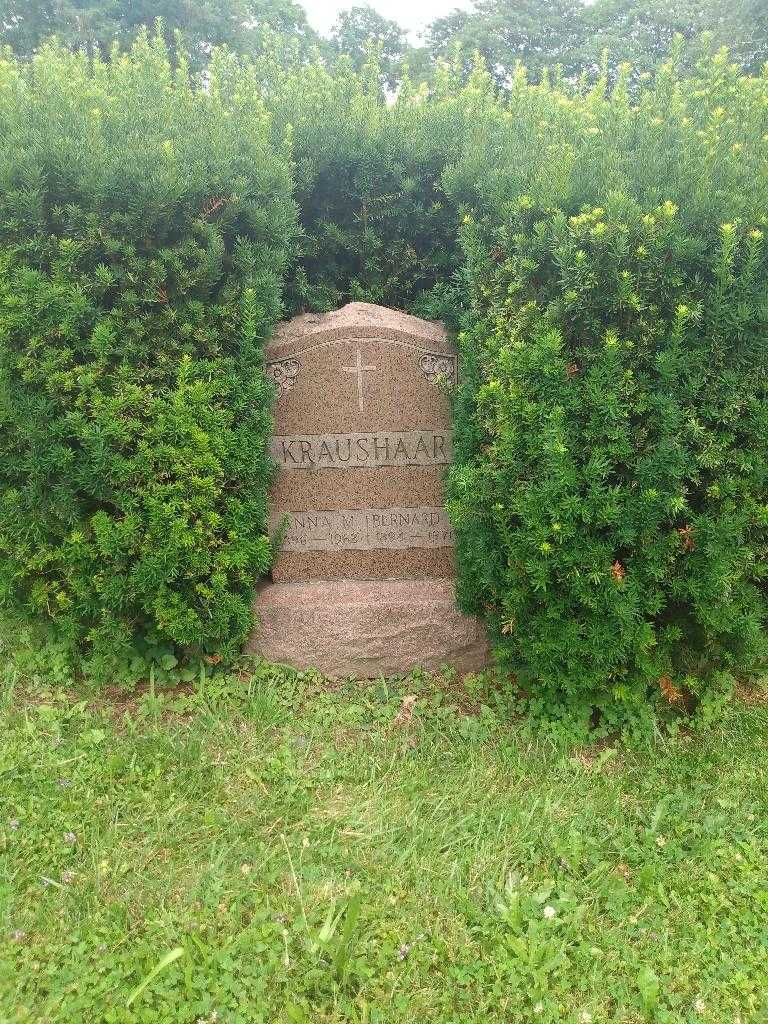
[308, 859]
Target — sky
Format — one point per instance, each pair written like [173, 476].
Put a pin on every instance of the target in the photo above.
[413, 15]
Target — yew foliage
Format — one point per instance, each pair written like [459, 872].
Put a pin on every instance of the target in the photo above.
[144, 227]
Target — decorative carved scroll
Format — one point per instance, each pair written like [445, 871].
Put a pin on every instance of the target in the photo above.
[283, 372]
[437, 367]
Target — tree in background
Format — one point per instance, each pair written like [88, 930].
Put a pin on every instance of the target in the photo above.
[361, 30]
[745, 30]
[363, 35]
[95, 25]
[643, 32]
[539, 33]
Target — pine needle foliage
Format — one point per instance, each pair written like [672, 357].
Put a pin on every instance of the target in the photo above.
[612, 424]
[144, 227]
[377, 223]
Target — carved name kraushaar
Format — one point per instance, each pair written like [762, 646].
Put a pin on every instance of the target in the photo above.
[348, 451]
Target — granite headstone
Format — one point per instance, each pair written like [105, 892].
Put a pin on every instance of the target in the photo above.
[363, 581]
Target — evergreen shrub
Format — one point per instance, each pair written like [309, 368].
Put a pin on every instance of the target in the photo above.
[611, 478]
[377, 224]
[145, 224]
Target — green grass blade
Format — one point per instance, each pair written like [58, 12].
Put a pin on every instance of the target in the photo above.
[345, 942]
[168, 959]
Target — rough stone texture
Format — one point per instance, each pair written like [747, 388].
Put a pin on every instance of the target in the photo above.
[313, 359]
[363, 582]
[367, 629]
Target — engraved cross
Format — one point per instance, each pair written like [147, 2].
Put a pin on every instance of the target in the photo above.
[359, 369]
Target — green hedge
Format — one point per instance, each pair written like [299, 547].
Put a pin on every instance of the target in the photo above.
[603, 249]
[377, 224]
[612, 426]
[144, 229]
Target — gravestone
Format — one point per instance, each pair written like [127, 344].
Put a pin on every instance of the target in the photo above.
[363, 581]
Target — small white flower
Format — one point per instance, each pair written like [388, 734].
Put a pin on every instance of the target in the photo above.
[538, 1008]
[70, 837]
[699, 1006]
[549, 913]
[585, 1017]
[661, 841]
[13, 823]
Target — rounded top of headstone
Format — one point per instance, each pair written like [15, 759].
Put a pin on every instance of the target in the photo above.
[357, 320]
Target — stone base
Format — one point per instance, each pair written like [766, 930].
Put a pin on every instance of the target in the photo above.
[367, 629]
